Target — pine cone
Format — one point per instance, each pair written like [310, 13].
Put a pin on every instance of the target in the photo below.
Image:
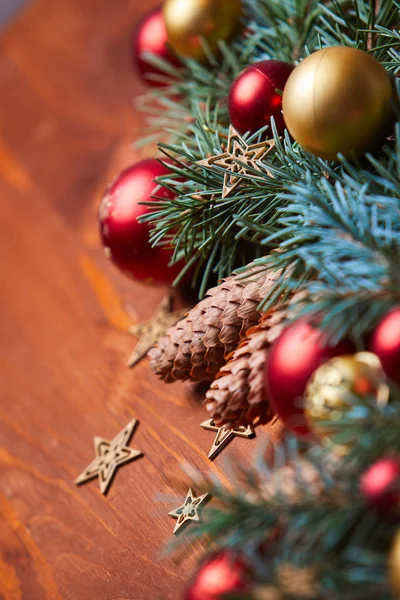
[197, 347]
[237, 395]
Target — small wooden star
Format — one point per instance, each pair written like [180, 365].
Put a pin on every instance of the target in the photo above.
[151, 331]
[225, 435]
[239, 158]
[189, 511]
[110, 456]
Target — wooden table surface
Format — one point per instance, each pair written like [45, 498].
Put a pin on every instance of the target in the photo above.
[66, 126]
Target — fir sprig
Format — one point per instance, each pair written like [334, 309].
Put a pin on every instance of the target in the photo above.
[304, 508]
[345, 232]
[296, 207]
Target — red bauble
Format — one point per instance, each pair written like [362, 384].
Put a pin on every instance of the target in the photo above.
[221, 574]
[150, 36]
[253, 99]
[293, 358]
[380, 485]
[385, 343]
[125, 240]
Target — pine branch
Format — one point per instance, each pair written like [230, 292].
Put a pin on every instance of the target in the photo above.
[305, 510]
[219, 235]
[345, 234]
[367, 25]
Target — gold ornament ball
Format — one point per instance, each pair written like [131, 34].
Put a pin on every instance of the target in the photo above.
[394, 565]
[338, 100]
[331, 390]
[188, 21]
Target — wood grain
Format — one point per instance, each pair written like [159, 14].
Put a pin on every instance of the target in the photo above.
[66, 122]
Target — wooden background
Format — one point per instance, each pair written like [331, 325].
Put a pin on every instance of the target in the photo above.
[66, 124]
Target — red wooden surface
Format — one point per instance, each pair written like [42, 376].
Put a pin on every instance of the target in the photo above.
[66, 124]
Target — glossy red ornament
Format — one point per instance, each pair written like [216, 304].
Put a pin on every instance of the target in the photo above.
[385, 343]
[221, 574]
[125, 240]
[293, 358]
[150, 36]
[380, 485]
[253, 99]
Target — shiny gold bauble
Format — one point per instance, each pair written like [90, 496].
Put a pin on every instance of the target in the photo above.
[338, 100]
[394, 565]
[332, 390]
[188, 21]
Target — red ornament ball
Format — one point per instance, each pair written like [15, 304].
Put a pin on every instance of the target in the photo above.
[293, 358]
[385, 343]
[125, 240]
[150, 36]
[221, 574]
[253, 99]
[380, 485]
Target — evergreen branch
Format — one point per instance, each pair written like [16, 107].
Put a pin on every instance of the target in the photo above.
[305, 509]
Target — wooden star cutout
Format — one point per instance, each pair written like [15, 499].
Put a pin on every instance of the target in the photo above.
[189, 511]
[239, 158]
[151, 331]
[110, 456]
[225, 436]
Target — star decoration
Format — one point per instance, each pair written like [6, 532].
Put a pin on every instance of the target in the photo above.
[151, 331]
[225, 435]
[189, 511]
[238, 159]
[110, 456]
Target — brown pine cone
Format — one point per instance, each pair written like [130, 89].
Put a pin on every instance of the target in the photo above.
[237, 395]
[197, 347]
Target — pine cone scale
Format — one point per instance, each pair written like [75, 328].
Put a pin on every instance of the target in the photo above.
[237, 396]
[198, 346]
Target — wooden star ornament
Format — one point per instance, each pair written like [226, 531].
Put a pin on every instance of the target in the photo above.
[109, 457]
[239, 159]
[151, 331]
[225, 435]
[189, 511]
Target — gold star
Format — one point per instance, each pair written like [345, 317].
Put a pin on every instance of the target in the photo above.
[225, 436]
[110, 456]
[189, 511]
[239, 158]
[151, 331]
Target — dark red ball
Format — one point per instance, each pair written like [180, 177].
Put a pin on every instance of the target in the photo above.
[380, 485]
[150, 36]
[385, 343]
[293, 358]
[221, 574]
[125, 240]
[253, 99]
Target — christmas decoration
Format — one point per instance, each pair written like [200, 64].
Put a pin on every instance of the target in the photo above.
[150, 37]
[394, 565]
[254, 96]
[225, 436]
[189, 22]
[110, 456]
[237, 396]
[219, 576]
[239, 159]
[338, 100]
[189, 511]
[197, 347]
[293, 358]
[385, 343]
[331, 390]
[330, 237]
[125, 240]
[151, 331]
[380, 485]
